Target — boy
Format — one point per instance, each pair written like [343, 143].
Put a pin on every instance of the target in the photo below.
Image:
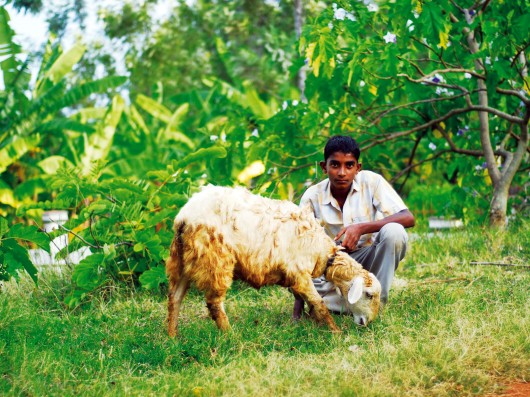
[352, 205]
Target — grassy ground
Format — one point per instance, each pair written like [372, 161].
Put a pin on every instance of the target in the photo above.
[450, 329]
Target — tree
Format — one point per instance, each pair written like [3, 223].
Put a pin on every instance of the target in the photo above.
[448, 76]
[233, 41]
[40, 126]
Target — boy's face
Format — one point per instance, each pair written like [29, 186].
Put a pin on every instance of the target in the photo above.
[341, 169]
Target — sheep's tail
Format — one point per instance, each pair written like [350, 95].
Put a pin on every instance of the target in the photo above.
[178, 282]
[176, 252]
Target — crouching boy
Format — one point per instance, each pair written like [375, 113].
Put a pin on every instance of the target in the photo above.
[362, 212]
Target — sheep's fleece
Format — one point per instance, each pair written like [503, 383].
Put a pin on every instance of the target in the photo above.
[224, 233]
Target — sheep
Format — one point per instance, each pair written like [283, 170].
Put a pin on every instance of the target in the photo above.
[350, 281]
[222, 234]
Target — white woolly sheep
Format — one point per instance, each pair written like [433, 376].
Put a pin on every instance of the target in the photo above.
[224, 233]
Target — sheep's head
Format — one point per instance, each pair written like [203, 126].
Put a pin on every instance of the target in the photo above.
[360, 288]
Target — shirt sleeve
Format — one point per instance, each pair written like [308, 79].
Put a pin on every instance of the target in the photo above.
[305, 199]
[308, 198]
[386, 200]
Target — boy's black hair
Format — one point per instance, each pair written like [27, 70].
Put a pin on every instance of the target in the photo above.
[343, 144]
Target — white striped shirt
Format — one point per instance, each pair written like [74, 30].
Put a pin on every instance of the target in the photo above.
[370, 198]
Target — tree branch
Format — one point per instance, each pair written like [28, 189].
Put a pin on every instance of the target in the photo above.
[412, 104]
[518, 138]
[444, 71]
[522, 147]
[98, 246]
[447, 116]
[454, 148]
[411, 158]
[514, 93]
[412, 166]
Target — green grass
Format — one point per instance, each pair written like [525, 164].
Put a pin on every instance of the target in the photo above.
[450, 329]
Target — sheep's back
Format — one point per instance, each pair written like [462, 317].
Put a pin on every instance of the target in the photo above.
[266, 236]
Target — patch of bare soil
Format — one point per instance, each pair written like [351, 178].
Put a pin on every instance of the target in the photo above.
[518, 389]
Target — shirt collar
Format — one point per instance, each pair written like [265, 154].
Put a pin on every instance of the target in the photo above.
[327, 197]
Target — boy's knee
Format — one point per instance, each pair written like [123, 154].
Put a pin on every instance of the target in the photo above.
[393, 233]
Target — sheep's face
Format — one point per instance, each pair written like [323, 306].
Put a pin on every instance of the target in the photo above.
[360, 289]
[363, 298]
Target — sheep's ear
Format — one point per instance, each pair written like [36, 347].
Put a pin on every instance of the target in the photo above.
[336, 249]
[356, 290]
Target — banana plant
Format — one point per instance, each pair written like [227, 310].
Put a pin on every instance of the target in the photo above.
[39, 125]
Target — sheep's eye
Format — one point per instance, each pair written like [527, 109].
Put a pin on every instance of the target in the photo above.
[369, 295]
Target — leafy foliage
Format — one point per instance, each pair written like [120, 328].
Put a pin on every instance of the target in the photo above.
[126, 223]
[35, 133]
[434, 81]
[212, 98]
[14, 255]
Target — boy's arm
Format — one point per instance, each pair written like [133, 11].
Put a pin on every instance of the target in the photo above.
[353, 233]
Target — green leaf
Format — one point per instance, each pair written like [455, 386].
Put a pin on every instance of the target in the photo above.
[155, 249]
[136, 119]
[321, 52]
[258, 107]
[82, 91]
[75, 297]
[230, 92]
[99, 143]
[91, 113]
[160, 175]
[86, 274]
[434, 19]
[163, 215]
[154, 108]
[51, 164]
[176, 136]
[201, 154]
[171, 132]
[30, 233]
[177, 117]
[16, 258]
[64, 64]
[4, 226]
[16, 149]
[503, 70]
[99, 207]
[11, 67]
[65, 124]
[7, 195]
[520, 26]
[153, 277]
[492, 80]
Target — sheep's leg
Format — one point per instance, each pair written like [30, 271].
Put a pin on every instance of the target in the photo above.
[305, 288]
[298, 307]
[215, 304]
[177, 290]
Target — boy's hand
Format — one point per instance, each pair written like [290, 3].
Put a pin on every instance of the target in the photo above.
[352, 234]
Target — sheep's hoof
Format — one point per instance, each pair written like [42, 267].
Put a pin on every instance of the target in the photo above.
[297, 314]
[298, 309]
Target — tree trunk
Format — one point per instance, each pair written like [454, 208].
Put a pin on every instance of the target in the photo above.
[499, 205]
[298, 23]
[501, 186]
[501, 182]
